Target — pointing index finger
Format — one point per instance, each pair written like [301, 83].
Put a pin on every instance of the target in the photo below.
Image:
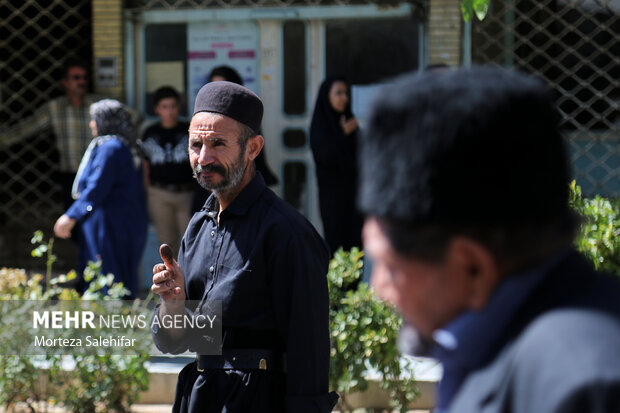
[166, 254]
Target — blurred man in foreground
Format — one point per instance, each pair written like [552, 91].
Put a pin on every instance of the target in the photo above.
[464, 182]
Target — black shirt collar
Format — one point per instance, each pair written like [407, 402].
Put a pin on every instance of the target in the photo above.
[243, 201]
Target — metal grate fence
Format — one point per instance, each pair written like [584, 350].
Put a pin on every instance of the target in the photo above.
[575, 46]
[37, 37]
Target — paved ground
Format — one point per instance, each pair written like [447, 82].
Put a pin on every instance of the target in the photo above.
[151, 408]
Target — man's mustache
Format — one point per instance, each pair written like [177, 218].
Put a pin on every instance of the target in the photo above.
[209, 168]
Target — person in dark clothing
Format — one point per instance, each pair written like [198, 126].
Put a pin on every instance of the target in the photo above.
[464, 181]
[229, 74]
[225, 73]
[264, 262]
[333, 139]
[168, 175]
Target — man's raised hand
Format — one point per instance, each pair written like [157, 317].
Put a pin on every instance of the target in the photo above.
[168, 278]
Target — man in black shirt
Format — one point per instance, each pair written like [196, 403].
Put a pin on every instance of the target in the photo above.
[262, 260]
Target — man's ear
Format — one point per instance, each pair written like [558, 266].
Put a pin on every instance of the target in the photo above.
[254, 146]
[478, 269]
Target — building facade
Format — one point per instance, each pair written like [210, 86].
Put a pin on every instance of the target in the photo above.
[283, 49]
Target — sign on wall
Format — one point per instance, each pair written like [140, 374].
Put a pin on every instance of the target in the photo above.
[209, 45]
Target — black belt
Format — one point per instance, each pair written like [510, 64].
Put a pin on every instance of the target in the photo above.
[243, 359]
[185, 187]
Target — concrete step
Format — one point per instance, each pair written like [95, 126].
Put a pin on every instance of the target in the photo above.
[165, 369]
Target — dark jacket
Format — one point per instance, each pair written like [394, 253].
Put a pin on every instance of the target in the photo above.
[559, 354]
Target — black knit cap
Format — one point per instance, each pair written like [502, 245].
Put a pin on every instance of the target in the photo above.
[232, 100]
[477, 146]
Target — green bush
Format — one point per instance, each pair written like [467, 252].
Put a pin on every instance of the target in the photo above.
[107, 383]
[97, 383]
[363, 335]
[598, 234]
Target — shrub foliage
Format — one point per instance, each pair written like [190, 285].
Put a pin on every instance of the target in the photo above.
[598, 237]
[106, 383]
[363, 334]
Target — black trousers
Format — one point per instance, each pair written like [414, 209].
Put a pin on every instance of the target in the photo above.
[229, 391]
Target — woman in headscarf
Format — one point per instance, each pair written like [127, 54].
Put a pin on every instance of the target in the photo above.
[109, 197]
[333, 139]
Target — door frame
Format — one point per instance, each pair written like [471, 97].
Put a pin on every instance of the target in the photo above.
[270, 67]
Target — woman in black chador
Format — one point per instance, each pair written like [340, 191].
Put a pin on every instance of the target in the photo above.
[333, 138]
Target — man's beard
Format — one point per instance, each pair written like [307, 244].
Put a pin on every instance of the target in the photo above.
[231, 177]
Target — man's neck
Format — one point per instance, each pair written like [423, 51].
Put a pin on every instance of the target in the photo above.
[169, 125]
[75, 100]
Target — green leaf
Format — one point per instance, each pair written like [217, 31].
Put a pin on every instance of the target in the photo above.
[37, 237]
[477, 7]
[481, 7]
[71, 275]
[467, 8]
[39, 251]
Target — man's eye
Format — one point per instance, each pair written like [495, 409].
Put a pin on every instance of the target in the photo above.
[196, 145]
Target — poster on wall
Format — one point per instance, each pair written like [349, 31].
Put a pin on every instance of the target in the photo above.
[213, 44]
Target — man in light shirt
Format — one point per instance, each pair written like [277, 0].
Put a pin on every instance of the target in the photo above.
[67, 116]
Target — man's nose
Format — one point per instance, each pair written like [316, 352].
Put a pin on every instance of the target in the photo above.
[206, 156]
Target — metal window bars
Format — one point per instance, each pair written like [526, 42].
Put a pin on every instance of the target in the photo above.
[37, 38]
[574, 45]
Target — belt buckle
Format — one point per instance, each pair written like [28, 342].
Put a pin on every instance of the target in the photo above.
[262, 364]
[198, 364]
